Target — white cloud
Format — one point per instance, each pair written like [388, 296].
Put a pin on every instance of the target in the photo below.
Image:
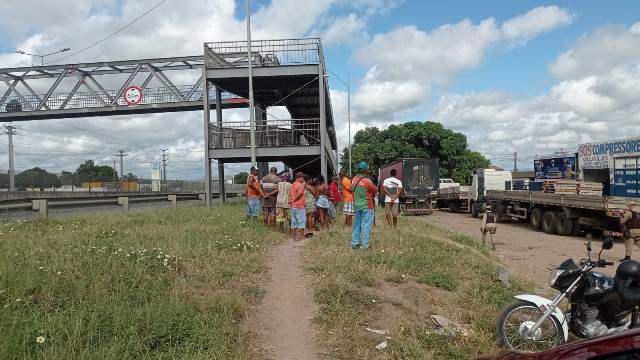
[539, 20]
[597, 53]
[350, 29]
[591, 102]
[407, 54]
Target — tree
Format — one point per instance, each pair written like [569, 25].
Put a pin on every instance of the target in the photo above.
[36, 178]
[89, 171]
[130, 177]
[415, 139]
[68, 178]
[240, 178]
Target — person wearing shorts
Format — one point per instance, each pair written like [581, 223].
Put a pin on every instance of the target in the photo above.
[392, 188]
[347, 196]
[254, 193]
[298, 213]
[310, 204]
[282, 204]
[270, 189]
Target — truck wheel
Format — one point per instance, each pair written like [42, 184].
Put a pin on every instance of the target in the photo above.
[536, 218]
[564, 225]
[474, 210]
[549, 222]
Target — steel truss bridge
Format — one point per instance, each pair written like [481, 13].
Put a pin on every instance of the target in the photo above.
[289, 73]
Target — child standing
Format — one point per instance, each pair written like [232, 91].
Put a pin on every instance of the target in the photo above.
[298, 215]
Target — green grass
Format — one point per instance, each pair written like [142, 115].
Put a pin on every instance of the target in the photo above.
[408, 276]
[439, 279]
[166, 284]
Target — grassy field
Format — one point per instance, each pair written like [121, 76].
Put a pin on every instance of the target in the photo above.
[397, 285]
[165, 284]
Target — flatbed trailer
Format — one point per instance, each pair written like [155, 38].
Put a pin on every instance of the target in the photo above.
[456, 200]
[556, 213]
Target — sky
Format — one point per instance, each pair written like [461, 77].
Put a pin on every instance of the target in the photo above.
[532, 77]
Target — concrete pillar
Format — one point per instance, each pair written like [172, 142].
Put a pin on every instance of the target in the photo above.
[43, 208]
[222, 195]
[124, 202]
[174, 201]
[207, 119]
[323, 119]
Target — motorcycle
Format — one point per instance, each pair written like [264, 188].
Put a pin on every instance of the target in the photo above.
[598, 304]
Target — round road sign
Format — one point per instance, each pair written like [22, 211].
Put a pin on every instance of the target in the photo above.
[133, 95]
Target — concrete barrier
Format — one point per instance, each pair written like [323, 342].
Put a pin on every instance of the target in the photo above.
[124, 201]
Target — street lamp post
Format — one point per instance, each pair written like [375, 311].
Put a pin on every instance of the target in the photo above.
[21, 52]
[348, 85]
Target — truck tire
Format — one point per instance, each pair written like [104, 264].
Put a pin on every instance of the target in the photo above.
[549, 222]
[536, 218]
[474, 210]
[564, 225]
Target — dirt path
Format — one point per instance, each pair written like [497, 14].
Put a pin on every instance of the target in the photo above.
[524, 250]
[288, 307]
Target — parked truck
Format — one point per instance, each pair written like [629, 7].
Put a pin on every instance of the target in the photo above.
[419, 178]
[459, 198]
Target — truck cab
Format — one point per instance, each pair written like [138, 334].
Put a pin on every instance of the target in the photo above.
[483, 180]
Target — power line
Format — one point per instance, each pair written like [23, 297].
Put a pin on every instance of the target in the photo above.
[110, 35]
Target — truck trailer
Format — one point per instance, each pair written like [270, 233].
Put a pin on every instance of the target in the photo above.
[472, 198]
[419, 178]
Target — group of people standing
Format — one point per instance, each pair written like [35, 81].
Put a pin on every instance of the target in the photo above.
[309, 204]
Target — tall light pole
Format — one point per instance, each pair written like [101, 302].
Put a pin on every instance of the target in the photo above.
[252, 117]
[42, 56]
[348, 85]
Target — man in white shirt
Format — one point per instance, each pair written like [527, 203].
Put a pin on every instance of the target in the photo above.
[392, 188]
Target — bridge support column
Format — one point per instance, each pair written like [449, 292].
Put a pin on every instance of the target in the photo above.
[207, 118]
[323, 120]
[124, 202]
[222, 194]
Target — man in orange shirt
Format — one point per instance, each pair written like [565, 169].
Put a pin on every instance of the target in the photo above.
[298, 213]
[347, 196]
[254, 193]
[364, 190]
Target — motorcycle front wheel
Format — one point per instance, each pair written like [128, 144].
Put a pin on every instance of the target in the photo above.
[514, 323]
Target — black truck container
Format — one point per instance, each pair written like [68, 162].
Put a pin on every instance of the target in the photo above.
[419, 176]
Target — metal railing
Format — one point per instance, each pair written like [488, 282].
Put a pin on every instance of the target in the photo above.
[269, 133]
[263, 53]
[81, 100]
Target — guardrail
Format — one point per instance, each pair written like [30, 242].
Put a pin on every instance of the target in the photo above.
[43, 204]
[269, 133]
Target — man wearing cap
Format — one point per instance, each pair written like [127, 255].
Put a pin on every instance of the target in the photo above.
[630, 224]
[364, 190]
[254, 193]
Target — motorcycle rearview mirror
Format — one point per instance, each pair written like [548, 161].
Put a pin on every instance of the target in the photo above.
[607, 243]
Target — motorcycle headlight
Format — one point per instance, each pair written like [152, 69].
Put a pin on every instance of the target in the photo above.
[554, 275]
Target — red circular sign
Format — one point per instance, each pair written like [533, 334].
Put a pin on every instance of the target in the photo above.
[133, 95]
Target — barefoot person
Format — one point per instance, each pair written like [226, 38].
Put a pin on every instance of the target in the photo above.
[298, 214]
[347, 196]
[364, 190]
[392, 188]
[323, 203]
[270, 188]
[310, 204]
[254, 193]
[334, 196]
[282, 204]
[489, 225]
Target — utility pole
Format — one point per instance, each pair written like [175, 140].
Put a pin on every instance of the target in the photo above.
[114, 171]
[515, 161]
[10, 130]
[252, 116]
[121, 155]
[164, 167]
